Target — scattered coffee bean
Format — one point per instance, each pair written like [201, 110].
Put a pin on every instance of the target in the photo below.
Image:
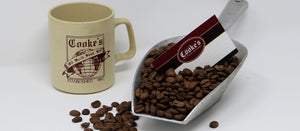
[173, 95]
[94, 115]
[98, 125]
[88, 129]
[77, 119]
[108, 108]
[74, 113]
[101, 112]
[114, 104]
[96, 104]
[85, 125]
[85, 112]
[95, 120]
[213, 124]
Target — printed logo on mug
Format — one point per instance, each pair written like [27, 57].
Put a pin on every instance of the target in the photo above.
[82, 47]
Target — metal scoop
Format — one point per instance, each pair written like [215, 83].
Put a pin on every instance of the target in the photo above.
[229, 15]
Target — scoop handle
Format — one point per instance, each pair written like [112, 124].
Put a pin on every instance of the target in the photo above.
[232, 11]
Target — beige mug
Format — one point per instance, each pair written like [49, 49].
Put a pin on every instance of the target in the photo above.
[82, 47]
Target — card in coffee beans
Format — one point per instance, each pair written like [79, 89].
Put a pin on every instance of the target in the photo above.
[208, 44]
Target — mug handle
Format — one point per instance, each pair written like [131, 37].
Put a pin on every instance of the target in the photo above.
[132, 49]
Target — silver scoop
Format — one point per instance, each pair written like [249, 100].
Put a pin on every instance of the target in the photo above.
[229, 15]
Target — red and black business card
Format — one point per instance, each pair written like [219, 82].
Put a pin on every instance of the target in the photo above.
[208, 44]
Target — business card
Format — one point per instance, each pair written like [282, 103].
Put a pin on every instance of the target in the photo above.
[208, 44]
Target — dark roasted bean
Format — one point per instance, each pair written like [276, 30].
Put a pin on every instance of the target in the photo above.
[74, 113]
[96, 104]
[213, 124]
[77, 119]
[139, 108]
[85, 125]
[85, 112]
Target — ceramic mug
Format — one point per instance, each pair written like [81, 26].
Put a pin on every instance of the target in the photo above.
[82, 47]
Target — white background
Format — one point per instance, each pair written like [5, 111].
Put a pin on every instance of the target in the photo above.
[263, 96]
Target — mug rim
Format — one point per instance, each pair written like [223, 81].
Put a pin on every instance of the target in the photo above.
[75, 22]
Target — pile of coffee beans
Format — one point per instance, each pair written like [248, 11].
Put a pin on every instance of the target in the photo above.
[103, 119]
[172, 95]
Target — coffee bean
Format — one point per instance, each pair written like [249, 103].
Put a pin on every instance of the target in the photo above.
[187, 72]
[153, 109]
[179, 117]
[152, 75]
[195, 72]
[98, 125]
[179, 104]
[139, 108]
[162, 106]
[209, 69]
[179, 78]
[77, 119]
[204, 81]
[108, 108]
[182, 110]
[168, 114]
[160, 113]
[212, 87]
[148, 61]
[190, 85]
[170, 80]
[124, 128]
[173, 111]
[149, 86]
[156, 85]
[144, 96]
[85, 112]
[188, 106]
[234, 64]
[114, 104]
[135, 117]
[109, 118]
[159, 95]
[199, 95]
[147, 108]
[207, 84]
[132, 129]
[138, 93]
[206, 67]
[96, 104]
[165, 84]
[213, 124]
[95, 120]
[193, 101]
[101, 112]
[164, 101]
[85, 125]
[170, 72]
[88, 129]
[74, 113]
[94, 115]
[154, 52]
